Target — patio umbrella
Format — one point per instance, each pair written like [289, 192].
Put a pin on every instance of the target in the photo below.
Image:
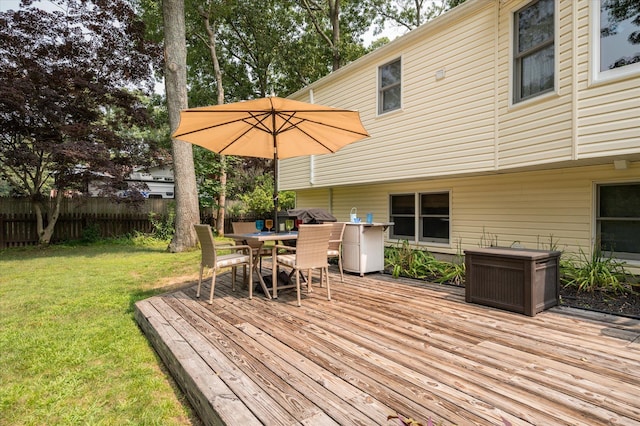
[270, 127]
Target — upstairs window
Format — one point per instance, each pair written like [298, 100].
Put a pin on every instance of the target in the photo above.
[616, 39]
[534, 50]
[389, 90]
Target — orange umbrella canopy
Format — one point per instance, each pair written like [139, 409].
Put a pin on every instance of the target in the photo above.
[270, 128]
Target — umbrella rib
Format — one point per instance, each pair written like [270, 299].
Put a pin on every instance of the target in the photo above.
[243, 119]
[320, 123]
[287, 120]
[295, 126]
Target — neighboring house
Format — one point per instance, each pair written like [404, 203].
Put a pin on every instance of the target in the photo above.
[501, 121]
[158, 179]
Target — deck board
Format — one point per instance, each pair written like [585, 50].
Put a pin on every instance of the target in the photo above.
[383, 346]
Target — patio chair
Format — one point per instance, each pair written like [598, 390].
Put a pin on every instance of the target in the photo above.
[240, 255]
[310, 253]
[335, 244]
[259, 249]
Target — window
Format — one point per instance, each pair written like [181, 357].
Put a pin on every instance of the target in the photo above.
[403, 215]
[434, 217]
[534, 50]
[618, 219]
[389, 87]
[432, 212]
[616, 37]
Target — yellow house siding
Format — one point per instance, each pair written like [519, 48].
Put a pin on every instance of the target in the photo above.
[539, 130]
[532, 208]
[294, 173]
[445, 126]
[314, 198]
[466, 122]
[608, 111]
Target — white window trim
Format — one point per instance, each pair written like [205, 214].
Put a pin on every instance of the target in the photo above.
[596, 76]
[594, 215]
[556, 59]
[417, 218]
[378, 100]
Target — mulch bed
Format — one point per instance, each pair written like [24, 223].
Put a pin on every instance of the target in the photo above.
[627, 305]
[618, 304]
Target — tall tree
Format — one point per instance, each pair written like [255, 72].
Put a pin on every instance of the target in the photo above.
[65, 113]
[333, 38]
[339, 24]
[175, 57]
[410, 14]
[211, 31]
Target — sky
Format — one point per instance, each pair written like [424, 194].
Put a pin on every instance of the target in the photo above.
[15, 4]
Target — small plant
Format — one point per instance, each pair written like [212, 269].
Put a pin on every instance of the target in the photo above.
[488, 240]
[398, 258]
[595, 272]
[406, 261]
[91, 233]
[163, 227]
[552, 246]
[453, 272]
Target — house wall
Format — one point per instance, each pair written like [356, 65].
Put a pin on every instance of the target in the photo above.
[530, 208]
[466, 122]
[522, 172]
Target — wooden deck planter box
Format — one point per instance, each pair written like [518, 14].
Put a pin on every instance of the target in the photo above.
[517, 280]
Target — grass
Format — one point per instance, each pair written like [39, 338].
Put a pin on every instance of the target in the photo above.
[70, 350]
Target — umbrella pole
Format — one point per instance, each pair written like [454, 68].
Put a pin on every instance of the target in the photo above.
[275, 181]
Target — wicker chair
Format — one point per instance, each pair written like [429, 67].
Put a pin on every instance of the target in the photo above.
[310, 253]
[259, 250]
[335, 244]
[240, 255]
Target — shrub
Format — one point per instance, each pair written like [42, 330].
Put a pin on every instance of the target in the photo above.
[403, 260]
[91, 233]
[163, 226]
[595, 272]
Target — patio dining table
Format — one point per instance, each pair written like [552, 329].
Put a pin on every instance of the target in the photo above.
[262, 237]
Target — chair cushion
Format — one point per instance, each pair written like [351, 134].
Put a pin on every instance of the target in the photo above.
[333, 253]
[287, 260]
[231, 259]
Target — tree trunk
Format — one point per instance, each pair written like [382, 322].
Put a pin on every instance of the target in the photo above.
[186, 192]
[334, 16]
[222, 197]
[45, 233]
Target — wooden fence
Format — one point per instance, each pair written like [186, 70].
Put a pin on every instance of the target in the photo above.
[97, 216]
[80, 216]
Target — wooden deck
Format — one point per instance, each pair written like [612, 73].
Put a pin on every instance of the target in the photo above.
[384, 346]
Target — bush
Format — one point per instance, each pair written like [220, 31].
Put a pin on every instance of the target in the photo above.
[403, 260]
[91, 233]
[596, 272]
[164, 226]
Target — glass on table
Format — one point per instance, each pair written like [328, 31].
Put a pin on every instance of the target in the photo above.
[288, 225]
[269, 224]
[259, 225]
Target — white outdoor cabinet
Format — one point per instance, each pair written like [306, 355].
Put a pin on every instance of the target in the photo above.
[363, 247]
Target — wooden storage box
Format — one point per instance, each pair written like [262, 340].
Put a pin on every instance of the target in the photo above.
[517, 280]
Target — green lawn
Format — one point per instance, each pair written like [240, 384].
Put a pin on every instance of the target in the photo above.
[70, 350]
